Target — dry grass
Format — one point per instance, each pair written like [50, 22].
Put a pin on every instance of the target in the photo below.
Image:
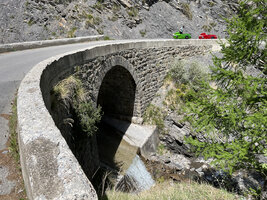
[176, 191]
[69, 88]
[187, 11]
[13, 146]
[12, 160]
[154, 116]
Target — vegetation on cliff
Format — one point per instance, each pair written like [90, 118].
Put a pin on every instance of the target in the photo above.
[227, 107]
[233, 113]
[236, 107]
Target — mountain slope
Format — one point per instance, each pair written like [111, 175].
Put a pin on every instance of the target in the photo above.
[25, 20]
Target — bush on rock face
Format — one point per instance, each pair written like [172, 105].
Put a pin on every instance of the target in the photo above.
[190, 75]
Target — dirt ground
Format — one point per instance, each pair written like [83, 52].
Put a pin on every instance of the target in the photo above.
[11, 181]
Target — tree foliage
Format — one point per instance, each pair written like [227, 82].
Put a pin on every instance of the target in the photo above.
[233, 113]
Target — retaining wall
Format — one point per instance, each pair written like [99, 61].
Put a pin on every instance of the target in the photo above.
[46, 43]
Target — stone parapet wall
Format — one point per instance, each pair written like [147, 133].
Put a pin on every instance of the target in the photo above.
[50, 170]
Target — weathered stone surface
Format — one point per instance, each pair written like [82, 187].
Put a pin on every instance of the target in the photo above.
[28, 20]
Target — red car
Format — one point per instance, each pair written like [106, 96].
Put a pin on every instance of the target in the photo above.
[205, 36]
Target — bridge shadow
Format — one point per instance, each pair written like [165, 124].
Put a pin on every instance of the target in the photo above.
[116, 98]
[117, 94]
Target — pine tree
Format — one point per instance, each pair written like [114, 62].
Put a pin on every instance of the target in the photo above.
[233, 113]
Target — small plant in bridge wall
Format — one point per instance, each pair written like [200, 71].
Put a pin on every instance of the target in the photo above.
[88, 116]
[70, 90]
[236, 108]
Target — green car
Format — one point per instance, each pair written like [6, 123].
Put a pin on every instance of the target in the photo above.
[177, 35]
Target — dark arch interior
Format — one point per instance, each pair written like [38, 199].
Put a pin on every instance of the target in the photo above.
[116, 97]
[117, 93]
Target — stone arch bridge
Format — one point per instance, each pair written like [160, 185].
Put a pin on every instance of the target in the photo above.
[121, 76]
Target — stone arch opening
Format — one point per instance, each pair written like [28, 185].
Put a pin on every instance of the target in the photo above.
[117, 93]
[116, 96]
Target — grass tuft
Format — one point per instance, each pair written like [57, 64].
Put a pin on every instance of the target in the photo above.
[65, 89]
[175, 191]
[107, 38]
[154, 116]
[71, 33]
[14, 147]
[187, 11]
[143, 33]
[132, 12]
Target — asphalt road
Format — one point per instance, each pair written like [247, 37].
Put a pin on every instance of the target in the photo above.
[13, 67]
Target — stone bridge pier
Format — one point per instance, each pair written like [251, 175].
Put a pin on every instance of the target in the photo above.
[121, 76]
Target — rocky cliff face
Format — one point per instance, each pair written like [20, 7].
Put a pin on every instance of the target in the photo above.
[26, 20]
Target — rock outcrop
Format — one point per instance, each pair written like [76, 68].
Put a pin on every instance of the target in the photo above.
[175, 159]
[27, 20]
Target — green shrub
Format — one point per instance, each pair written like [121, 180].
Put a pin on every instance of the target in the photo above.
[107, 38]
[187, 11]
[71, 33]
[98, 6]
[190, 75]
[100, 31]
[154, 116]
[213, 24]
[89, 16]
[185, 76]
[132, 12]
[97, 20]
[211, 3]
[207, 28]
[91, 21]
[174, 99]
[161, 149]
[30, 22]
[69, 88]
[113, 18]
[143, 33]
[27, 4]
[88, 116]
[116, 8]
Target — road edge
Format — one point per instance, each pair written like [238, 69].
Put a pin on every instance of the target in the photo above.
[45, 43]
